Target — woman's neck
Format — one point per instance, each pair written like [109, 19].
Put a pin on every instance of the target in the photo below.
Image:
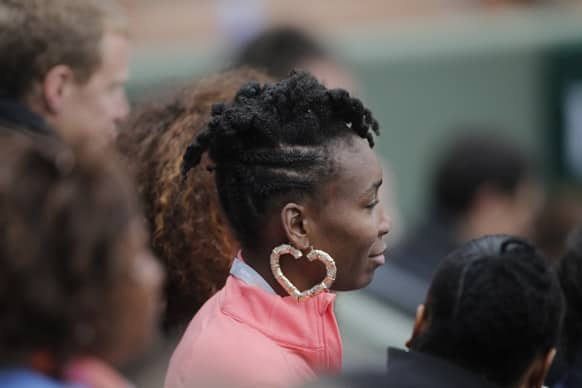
[295, 270]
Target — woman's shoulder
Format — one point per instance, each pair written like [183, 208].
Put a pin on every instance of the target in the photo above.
[214, 331]
[246, 360]
[231, 352]
[217, 346]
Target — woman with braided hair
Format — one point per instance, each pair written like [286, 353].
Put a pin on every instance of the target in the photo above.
[298, 182]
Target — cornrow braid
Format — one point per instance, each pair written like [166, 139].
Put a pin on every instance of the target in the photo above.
[274, 141]
[494, 296]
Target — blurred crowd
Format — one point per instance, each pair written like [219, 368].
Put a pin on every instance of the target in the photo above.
[171, 239]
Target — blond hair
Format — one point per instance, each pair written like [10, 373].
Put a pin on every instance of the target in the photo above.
[37, 35]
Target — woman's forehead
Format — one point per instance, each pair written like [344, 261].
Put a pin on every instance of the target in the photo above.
[357, 168]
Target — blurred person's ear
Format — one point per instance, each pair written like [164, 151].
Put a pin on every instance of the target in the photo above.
[420, 324]
[538, 370]
[55, 87]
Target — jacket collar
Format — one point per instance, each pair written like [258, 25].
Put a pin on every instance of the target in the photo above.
[16, 116]
[247, 274]
[308, 328]
[420, 369]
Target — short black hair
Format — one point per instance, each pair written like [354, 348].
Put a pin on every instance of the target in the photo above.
[493, 306]
[471, 161]
[570, 273]
[279, 50]
[273, 144]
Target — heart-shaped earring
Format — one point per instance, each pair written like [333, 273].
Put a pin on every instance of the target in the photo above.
[315, 254]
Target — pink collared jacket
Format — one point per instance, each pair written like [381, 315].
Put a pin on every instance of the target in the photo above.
[246, 337]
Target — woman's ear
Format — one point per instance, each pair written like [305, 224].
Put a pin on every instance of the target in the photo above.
[293, 220]
[419, 325]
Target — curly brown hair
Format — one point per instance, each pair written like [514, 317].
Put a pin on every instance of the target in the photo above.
[66, 217]
[189, 232]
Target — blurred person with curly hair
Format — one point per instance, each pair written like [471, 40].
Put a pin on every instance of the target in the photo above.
[79, 288]
[189, 232]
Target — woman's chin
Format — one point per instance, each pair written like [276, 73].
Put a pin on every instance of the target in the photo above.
[361, 282]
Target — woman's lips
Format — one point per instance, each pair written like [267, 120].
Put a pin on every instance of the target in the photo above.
[379, 259]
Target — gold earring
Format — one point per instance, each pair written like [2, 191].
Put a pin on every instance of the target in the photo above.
[315, 254]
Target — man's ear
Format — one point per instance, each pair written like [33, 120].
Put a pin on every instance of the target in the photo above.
[293, 219]
[419, 325]
[56, 86]
[538, 370]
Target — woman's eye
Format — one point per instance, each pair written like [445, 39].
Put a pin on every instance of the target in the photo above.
[372, 205]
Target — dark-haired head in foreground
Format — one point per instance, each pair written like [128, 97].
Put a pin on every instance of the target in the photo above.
[293, 164]
[76, 277]
[495, 309]
[189, 232]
